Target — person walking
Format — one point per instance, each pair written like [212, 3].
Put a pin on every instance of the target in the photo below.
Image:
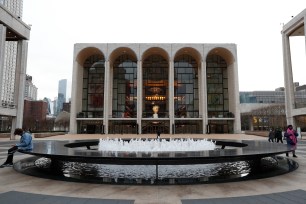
[24, 144]
[291, 138]
[278, 135]
[271, 135]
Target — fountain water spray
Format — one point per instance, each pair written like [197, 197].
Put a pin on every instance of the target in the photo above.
[155, 145]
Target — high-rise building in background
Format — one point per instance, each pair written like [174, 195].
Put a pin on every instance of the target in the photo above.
[14, 36]
[49, 110]
[14, 6]
[61, 97]
[30, 92]
[54, 106]
[10, 56]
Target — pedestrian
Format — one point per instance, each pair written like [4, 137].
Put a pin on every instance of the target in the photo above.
[278, 135]
[291, 138]
[24, 144]
[158, 134]
[271, 135]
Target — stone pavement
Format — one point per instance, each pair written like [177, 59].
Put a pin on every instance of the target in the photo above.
[288, 188]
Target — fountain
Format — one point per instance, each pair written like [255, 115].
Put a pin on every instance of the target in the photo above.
[155, 145]
[156, 161]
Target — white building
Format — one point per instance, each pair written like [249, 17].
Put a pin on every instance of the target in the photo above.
[14, 34]
[30, 92]
[8, 77]
[192, 87]
[295, 27]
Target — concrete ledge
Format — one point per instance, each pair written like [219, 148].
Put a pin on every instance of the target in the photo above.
[5, 135]
[257, 133]
[47, 134]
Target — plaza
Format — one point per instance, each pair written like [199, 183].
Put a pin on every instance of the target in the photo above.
[136, 90]
[259, 190]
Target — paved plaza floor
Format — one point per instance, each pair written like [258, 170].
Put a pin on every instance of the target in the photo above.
[18, 188]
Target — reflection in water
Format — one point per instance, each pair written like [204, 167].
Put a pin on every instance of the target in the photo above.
[137, 174]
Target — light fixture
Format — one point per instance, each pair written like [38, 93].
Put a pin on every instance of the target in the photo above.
[155, 90]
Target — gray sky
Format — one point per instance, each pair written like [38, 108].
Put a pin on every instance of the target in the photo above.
[254, 25]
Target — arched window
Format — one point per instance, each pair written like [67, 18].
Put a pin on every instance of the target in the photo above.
[155, 87]
[217, 87]
[186, 89]
[93, 87]
[124, 87]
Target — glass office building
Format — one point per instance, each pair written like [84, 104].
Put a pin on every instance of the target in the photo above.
[145, 88]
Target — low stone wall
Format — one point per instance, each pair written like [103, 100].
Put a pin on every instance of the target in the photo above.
[5, 135]
[258, 133]
[35, 135]
[47, 134]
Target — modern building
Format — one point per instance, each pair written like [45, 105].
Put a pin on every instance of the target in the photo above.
[61, 97]
[8, 77]
[66, 106]
[48, 101]
[262, 110]
[30, 92]
[14, 34]
[35, 115]
[271, 97]
[192, 88]
[295, 111]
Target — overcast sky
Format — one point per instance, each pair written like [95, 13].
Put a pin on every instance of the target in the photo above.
[254, 25]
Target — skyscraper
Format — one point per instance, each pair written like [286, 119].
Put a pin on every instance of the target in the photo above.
[30, 92]
[61, 97]
[8, 77]
[14, 35]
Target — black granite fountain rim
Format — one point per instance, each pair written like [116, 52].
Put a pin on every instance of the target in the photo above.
[252, 150]
[259, 170]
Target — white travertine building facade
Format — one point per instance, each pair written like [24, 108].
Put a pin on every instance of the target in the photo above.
[295, 27]
[14, 36]
[150, 88]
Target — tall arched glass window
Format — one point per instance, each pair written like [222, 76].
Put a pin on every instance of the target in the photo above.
[155, 87]
[217, 87]
[124, 87]
[186, 87]
[93, 87]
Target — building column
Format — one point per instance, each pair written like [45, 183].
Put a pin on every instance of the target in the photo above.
[236, 100]
[2, 54]
[203, 95]
[106, 96]
[171, 95]
[20, 79]
[139, 94]
[250, 120]
[288, 78]
[75, 100]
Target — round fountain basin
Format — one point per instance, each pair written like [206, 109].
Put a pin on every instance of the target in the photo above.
[70, 159]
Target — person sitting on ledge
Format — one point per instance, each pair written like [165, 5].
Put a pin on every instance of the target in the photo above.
[24, 144]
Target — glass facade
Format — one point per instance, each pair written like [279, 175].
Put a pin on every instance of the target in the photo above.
[262, 97]
[124, 103]
[155, 87]
[186, 94]
[93, 87]
[217, 87]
